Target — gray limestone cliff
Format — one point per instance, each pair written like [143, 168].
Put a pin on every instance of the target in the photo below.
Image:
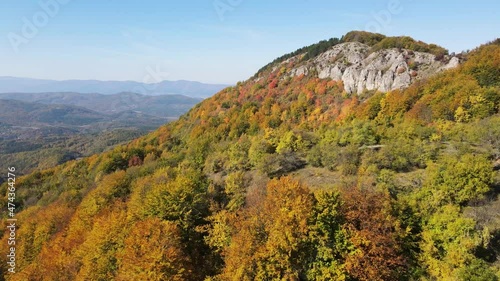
[361, 69]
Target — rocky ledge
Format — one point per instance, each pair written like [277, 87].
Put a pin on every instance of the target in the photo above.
[361, 69]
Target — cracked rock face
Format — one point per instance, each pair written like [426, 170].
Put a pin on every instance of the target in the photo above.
[382, 70]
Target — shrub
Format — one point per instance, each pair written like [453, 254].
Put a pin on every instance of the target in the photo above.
[276, 165]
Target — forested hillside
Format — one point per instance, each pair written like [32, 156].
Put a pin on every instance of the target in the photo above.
[42, 130]
[40, 136]
[284, 177]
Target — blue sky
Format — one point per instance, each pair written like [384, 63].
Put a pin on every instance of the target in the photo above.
[215, 41]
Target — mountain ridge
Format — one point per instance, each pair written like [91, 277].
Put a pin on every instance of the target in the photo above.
[161, 105]
[180, 87]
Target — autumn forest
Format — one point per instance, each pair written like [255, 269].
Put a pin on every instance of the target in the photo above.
[285, 177]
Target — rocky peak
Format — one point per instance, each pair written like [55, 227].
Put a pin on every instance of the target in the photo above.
[362, 69]
[365, 61]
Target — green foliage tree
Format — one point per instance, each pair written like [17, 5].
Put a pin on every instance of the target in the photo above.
[236, 190]
[457, 180]
[477, 270]
[329, 241]
[448, 240]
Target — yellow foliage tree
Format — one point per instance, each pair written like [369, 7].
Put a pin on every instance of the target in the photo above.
[153, 251]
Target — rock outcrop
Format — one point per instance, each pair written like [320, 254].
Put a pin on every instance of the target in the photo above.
[361, 69]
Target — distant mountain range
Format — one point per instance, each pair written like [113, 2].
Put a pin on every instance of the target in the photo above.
[161, 106]
[181, 87]
[41, 130]
[36, 135]
[28, 119]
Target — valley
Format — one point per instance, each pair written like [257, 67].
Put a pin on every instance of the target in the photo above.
[43, 130]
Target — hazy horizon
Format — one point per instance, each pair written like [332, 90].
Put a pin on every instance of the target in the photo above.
[113, 80]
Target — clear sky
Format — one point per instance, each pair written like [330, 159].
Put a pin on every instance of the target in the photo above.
[215, 41]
